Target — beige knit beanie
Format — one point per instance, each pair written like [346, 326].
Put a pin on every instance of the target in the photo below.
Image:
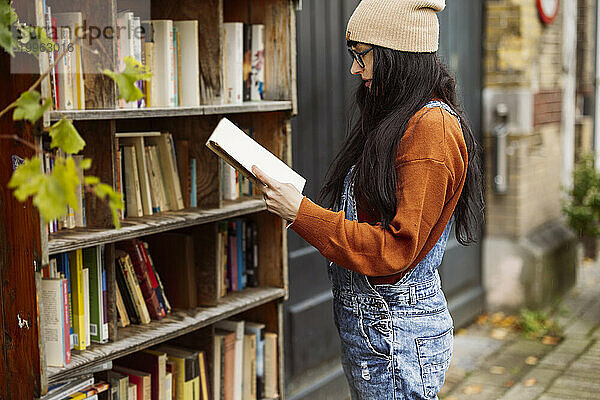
[406, 25]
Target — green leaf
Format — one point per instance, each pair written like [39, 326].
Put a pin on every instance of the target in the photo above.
[27, 179]
[91, 180]
[133, 72]
[29, 106]
[86, 163]
[65, 136]
[8, 17]
[65, 172]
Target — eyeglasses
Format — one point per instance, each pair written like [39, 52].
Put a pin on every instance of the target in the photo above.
[358, 56]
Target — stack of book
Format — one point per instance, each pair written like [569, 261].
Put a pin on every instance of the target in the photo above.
[148, 176]
[66, 84]
[245, 361]
[140, 293]
[169, 50]
[84, 387]
[243, 62]
[237, 254]
[74, 298]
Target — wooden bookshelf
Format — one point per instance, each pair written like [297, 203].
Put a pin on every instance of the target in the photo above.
[162, 112]
[71, 239]
[25, 246]
[138, 337]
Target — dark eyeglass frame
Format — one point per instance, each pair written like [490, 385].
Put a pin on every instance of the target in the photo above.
[359, 55]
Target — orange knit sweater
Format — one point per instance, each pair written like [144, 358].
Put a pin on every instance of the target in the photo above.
[431, 167]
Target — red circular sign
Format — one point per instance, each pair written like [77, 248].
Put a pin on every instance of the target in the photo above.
[548, 10]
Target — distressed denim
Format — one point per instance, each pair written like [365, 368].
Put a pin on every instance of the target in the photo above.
[396, 339]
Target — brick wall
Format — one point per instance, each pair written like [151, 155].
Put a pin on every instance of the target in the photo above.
[521, 52]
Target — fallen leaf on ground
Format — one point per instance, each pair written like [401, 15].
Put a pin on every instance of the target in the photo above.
[550, 340]
[509, 383]
[497, 370]
[482, 319]
[452, 397]
[473, 389]
[497, 317]
[509, 321]
[531, 360]
[530, 382]
[461, 331]
[499, 333]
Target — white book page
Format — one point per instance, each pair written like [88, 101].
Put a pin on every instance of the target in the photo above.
[247, 152]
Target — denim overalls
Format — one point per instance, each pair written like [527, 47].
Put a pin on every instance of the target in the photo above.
[396, 339]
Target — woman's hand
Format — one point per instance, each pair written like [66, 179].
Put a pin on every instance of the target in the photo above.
[282, 199]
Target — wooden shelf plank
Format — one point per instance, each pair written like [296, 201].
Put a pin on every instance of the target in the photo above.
[138, 337]
[158, 112]
[71, 239]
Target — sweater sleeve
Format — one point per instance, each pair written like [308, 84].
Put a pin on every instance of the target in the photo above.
[424, 187]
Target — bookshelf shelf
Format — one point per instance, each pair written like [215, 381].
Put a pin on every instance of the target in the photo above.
[68, 240]
[137, 337]
[160, 112]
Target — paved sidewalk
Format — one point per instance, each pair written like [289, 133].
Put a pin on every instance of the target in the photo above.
[493, 361]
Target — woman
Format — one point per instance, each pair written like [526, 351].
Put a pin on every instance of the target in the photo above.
[408, 168]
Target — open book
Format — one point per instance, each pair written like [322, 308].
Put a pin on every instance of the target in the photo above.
[241, 151]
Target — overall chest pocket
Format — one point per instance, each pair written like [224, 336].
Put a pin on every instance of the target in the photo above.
[435, 353]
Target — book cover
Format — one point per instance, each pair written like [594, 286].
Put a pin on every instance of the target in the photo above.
[121, 309]
[238, 328]
[160, 284]
[138, 262]
[189, 63]
[270, 360]
[163, 64]
[78, 306]
[154, 279]
[258, 62]
[204, 377]
[132, 183]
[52, 324]
[257, 329]
[86, 304]
[142, 380]
[247, 67]
[249, 368]
[227, 383]
[125, 289]
[188, 372]
[140, 156]
[241, 151]
[152, 362]
[92, 259]
[233, 63]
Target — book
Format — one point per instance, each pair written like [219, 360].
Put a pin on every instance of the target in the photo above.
[204, 376]
[142, 380]
[270, 360]
[146, 283]
[182, 148]
[152, 362]
[118, 380]
[132, 391]
[86, 304]
[121, 309]
[74, 22]
[257, 75]
[168, 167]
[249, 367]
[93, 260]
[241, 151]
[160, 284]
[233, 62]
[125, 292]
[163, 81]
[136, 140]
[189, 65]
[66, 389]
[247, 67]
[134, 286]
[132, 183]
[168, 386]
[238, 328]
[219, 363]
[257, 329]
[156, 286]
[158, 193]
[227, 382]
[63, 267]
[52, 322]
[77, 303]
[187, 380]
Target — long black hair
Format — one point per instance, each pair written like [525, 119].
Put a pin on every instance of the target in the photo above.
[403, 82]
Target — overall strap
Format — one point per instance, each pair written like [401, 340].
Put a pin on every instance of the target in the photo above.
[441, 104]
